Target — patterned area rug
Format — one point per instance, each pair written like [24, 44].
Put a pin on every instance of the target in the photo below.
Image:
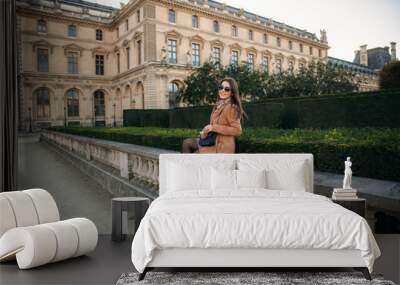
[243, 278]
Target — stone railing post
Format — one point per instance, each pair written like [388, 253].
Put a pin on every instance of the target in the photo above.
[124, 165]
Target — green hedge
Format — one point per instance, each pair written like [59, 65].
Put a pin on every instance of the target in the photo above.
[192, 117]
[147, 118]
[375, 152]
[361, 111]
[261, 114]
[368, 109]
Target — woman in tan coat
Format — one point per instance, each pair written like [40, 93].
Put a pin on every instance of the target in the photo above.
[224, 120]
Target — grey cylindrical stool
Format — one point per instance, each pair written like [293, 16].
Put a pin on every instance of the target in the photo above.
[138, 205]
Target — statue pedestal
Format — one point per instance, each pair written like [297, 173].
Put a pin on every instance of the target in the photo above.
[344, 190]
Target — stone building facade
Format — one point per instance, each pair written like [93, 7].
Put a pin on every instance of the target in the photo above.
[82, 63]
[366, 78]
[367, 64]
[375, 58]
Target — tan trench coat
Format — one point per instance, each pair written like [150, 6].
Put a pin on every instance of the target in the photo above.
[227, 127]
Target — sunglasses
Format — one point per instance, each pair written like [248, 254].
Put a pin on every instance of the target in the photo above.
[227, 89]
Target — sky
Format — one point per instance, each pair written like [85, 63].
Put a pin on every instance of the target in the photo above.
[349, 23]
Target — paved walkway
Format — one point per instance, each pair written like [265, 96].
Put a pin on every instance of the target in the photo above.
[76, 194]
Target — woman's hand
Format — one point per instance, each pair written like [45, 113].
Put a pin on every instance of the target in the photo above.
[207, 129]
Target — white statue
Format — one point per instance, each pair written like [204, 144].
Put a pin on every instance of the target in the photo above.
[163, 54]
[189, 58]
[347, 174]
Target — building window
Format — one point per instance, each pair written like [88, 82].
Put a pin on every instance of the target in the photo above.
[290, 45]
[234, 57]
[117, 32]
[43, 103]
[171, 51]
[173, 93]
[100, 64]
[216, 26]
[291, 66]
[278, 41]
[72, 58]
[250, 61]
[73, 103]
[319, 52]
[126, 25]
[99, 35]
[139, 45]
[216, 55]
[128, 58]
[195, 54]
[43, 60]
[118, 63]
[41, 26]
[265, 38]
[138, 16]
[171, 16]
[195, 21]
[279, 65]
[311, 50]
[72, 31]
[234, 31]
[99, 107]
[301, 47]
[265, 64]
[250, 35]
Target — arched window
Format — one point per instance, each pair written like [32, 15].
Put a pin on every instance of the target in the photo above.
[42, 103]
[278, 41]
[265, 38]
[216, 26]
[73, 103]
[250, 35]
[99, 109]
[41, 26]
[173, 90]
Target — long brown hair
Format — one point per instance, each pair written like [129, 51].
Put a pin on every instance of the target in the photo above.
[235, 95]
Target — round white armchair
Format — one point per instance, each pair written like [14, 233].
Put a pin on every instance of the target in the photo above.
[31, 230]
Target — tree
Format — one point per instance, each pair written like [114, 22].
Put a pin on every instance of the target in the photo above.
[201, 86]
[389, 76]
[317, 78]
[250, 81]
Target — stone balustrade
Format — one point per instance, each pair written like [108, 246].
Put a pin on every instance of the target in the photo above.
[137, 164]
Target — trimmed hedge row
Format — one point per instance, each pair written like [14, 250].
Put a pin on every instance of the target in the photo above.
[356, 112]
[147, 118]
[368, 109]
[265, 114]
[375, 152]
[262, 114]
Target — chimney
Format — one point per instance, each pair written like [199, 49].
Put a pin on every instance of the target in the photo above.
[355, 55]
[393, 51]
[363, 55]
